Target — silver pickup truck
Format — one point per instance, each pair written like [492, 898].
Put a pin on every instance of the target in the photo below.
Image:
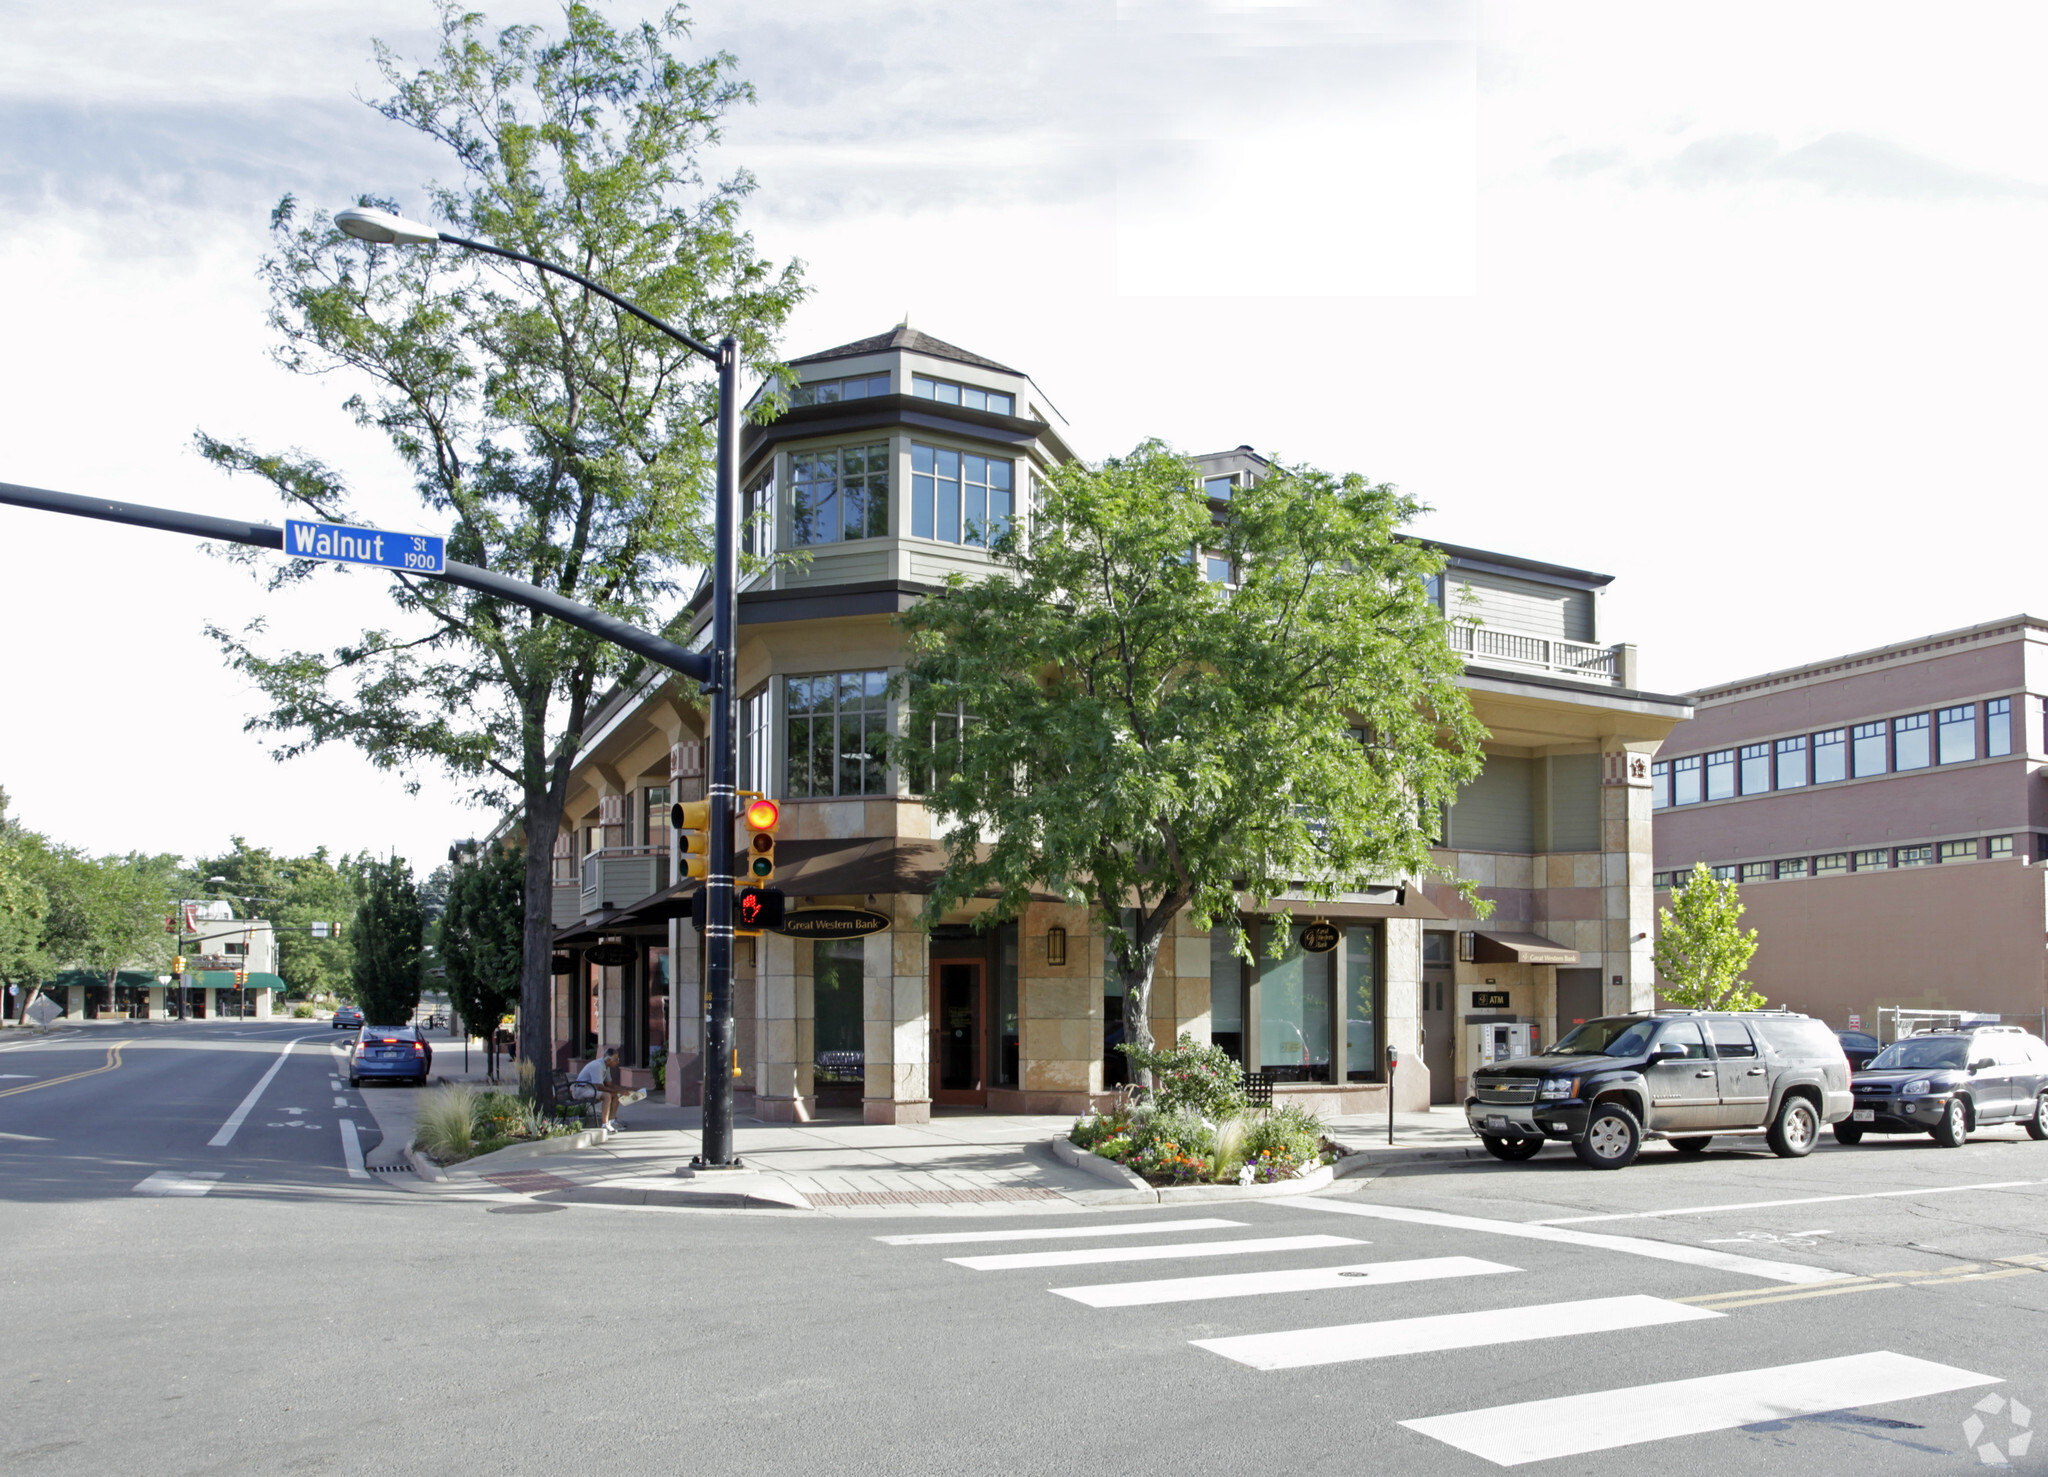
[1686, 1076]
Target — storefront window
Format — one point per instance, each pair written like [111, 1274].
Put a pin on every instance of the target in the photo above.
[1006, 1005]
[657, 1000]
[1294, 1013]
[1226, 995]
[1361, 1002]
[838, 975]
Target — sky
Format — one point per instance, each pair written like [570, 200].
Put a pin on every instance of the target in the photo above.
[1739, 303]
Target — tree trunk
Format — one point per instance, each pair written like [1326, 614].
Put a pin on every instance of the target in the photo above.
[1137, 982]
[537, 950]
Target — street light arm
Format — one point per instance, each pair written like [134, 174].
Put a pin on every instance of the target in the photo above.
[656, 649]
[696, 345]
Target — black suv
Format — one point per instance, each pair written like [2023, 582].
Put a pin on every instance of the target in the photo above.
[1946, 1083]
[1682, 1075]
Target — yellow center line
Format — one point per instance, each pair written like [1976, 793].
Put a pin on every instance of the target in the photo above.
[113, 1061]
[2008, 1272]
[1835, 1289]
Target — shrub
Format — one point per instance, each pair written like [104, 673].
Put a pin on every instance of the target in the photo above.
[1191, 1077]
[526, 1091]
[1280, 1144]
[447, 1124]
[302, 1012]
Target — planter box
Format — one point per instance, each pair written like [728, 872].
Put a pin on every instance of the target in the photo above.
[1067, 1152]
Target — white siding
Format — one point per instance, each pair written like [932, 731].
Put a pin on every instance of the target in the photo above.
[1522, 605]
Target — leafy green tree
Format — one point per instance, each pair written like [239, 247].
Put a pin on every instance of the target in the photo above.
[293, 892]
[480, 938]
[1154, 743]
[24, 905]
[386, 938]
[556, 438]
[1702, 950]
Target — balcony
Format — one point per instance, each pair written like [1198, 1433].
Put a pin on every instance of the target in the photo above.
[622, 875]
[1490, 646]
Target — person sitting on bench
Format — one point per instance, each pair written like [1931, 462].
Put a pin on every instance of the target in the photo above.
[600, 1079]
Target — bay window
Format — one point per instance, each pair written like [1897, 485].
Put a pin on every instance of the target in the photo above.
[957, 497]
[839, 494]
[837, 731]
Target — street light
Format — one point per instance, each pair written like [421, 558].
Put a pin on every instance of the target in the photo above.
[385, 228]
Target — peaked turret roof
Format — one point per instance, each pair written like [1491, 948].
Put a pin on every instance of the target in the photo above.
[903, 336]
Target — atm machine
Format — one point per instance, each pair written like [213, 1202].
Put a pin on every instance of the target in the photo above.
[1499, 1040]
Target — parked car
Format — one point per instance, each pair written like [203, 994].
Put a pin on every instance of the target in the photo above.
[1684, 1076]
[1859, 1047]
[346, 1016]
[1946, 1083]
[390, 1051]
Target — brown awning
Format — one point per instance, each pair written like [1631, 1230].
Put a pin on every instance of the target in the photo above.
[1519, 948]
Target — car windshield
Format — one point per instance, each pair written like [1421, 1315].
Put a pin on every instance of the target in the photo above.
[1921, 1051]
[1618, 1037]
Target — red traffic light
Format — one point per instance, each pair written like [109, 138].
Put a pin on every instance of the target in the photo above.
[763, 815]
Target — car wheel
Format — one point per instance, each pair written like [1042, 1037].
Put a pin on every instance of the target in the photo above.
[1848, 1133]
[1954, 1127]
[2037, 1122]
[1692, 1147]
[1795, 1130]
[355, 1082]
[1612, 1139]
[1510, 1149]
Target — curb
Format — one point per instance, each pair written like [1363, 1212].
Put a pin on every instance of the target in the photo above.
[424, 1167]
[1134, 1190]
[519, 1153]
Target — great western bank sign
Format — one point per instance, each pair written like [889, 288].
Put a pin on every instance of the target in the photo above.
[422, 553]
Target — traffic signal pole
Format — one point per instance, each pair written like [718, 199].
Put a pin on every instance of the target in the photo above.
[715, 1142]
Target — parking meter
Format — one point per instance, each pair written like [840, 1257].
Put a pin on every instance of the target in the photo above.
[1393, 1061]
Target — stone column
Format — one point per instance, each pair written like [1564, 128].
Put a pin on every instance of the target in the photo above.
[1629, 905]
[896, 1034]
[685, 1017]
[782, 1072]
[1404, 1015]
[1180, 984]
[1060, 1005]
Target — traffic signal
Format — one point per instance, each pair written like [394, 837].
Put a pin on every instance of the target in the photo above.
[762, 815]
[241, 978]
[757, 908]
[692, 820]
[177, 964]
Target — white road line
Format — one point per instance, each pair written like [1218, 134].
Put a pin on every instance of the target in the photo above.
[1638, 1215]
[169, 1182]
[1255, 1284]
[227, 1129]
[1134, 1228]
[352, 1150]
[1092, 1254]
[340, 1102]
[1301, 1347]
[1663, 1251]
[1509, 1435]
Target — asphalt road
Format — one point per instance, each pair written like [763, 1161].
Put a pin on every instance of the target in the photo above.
[295, 1319]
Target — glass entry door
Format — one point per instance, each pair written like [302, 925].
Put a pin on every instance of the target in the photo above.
[959, 1014]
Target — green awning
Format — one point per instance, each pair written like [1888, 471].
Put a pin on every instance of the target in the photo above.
[224, 979]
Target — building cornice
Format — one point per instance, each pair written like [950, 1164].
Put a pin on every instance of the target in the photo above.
[2008, 627]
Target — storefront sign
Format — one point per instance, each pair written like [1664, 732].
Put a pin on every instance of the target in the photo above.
[1489, 999]
[610, 956]
[832, 923]
[1320, 937]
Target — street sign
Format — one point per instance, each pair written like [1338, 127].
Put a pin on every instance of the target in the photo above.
[43, 1011]
[420, 552]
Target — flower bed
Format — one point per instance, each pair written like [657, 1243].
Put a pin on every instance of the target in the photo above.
[458, 1123]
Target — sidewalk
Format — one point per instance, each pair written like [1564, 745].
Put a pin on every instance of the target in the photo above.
[1436, 1133]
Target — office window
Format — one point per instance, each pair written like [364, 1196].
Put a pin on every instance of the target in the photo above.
[947, 393]
[1873, 861]
[1956, 733]
[837, 733]
[1219, 490]
[1756, 871]
[829, 392]
[756, 740]
[947, 729]
[1660, 784]
[957, 497]
[1722, 874]
[1685, 781]
[1792, 763]
[654, 827]
[1721, 775]
[1866, 741]
[1756, 768]
[1793, 867]
[1998, 728]
[1216, 569]
[1361, 1002]
[842, 494]
[1909, 742]
[1959, 851]
[2001, 848]
[1916, 856]
[1830, 756]
[1829, 865]
[757, 515]
[1662, 879]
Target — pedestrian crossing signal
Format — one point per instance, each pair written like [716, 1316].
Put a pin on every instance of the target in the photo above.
[755, 909]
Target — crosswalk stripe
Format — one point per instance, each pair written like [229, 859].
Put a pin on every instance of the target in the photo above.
[170, 1182]
[1301, 1347]
[1086, 1255]
[1663, 1251]
[1300, 1279]
[1569, 1425]
[1122, 1228]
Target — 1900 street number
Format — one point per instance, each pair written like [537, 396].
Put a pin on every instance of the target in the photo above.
[419, 552]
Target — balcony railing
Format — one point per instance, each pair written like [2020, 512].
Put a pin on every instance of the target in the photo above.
[622, 875]
[1491, 646]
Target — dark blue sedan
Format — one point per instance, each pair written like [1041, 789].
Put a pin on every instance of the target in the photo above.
[390, 1051]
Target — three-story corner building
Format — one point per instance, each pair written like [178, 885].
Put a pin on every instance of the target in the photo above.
[898, 460]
